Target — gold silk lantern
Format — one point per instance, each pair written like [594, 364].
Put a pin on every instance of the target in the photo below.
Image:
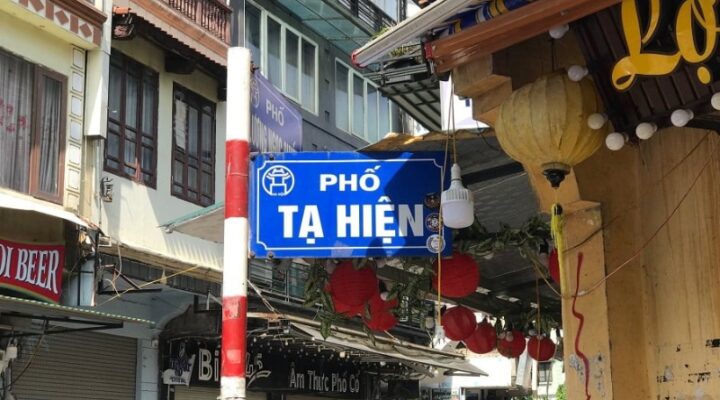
[544, 125]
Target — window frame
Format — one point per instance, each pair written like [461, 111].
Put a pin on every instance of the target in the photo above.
[352, 73]
[40, 72]
[177, 154]
[259, 63]
[130, 64]
[264, 45]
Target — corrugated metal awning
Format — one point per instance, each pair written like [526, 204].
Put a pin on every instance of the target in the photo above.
[206, 223]
[18, 201]
[410, 30]
[69, 317]
[399, 351]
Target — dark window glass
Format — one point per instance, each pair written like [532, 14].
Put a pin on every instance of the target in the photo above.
[274, 67]
[292, 65]
[342, 110]
[308, 76]
[193, 167]
[372, 114]
[252, 32]
[131, 147]
[358, 113]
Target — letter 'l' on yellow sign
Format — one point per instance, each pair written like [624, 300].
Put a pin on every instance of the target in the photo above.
[700, 13]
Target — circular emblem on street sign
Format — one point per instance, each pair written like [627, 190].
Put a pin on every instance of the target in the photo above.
[278, 181]
[432, 222]
[435, 243]
[432, 200]
[254, 93]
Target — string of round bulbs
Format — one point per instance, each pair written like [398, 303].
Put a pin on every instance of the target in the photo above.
[645, 130]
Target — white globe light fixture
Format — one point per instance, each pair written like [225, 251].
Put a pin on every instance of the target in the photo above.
[715, 101]
[597, 121]
[576, 73]
[645, 130]
[615, 141]
[457, 203]
[557, 32]
[681, 117]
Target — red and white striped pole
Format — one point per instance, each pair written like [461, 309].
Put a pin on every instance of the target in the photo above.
[235, 265]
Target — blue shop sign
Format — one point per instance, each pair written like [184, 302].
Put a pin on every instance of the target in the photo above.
[346, 204]
[276, 126]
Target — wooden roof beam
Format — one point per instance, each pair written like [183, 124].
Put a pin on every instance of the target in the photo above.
[481, 80]
[508, 29]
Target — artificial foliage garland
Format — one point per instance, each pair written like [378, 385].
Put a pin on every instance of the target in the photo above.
[529, 240]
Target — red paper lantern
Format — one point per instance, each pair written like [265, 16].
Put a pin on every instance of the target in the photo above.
[541, 348]
[348, 311]
[459, 323]
[381, 322]
[483, 340]
[381, 319]
[351, 286]
[513, 347]
[460, 276]
[554, 266]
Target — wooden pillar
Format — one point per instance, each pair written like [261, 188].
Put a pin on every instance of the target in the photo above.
[591, 357]
[611, 179]
[585, 318]
[613, 337]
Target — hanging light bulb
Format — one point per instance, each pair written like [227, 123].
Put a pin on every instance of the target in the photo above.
[681, 117]
[429, 322]
[645, 130]
[576, 73]
[330, 266]
[457, 203]
[557, 32]
[597, 121]
[715, 101]
[383, 290]
[615, 141]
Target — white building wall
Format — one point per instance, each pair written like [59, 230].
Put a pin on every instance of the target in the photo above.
[136, 212]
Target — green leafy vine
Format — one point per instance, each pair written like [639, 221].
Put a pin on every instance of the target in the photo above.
[530, 239]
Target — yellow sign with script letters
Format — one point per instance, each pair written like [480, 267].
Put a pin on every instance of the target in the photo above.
[638, 62]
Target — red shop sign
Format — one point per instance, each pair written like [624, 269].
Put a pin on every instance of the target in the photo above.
[33, 269]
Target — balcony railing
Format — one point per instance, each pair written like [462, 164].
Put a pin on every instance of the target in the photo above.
[213, 15]
[369, 13]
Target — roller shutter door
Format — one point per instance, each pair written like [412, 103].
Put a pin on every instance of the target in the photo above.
[203, 393]
[77, 366]
[196, 393]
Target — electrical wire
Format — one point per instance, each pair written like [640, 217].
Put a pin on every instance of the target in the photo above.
[119, 295]
[655, 233]
[660, 180]
[646, 243]
[30, 360]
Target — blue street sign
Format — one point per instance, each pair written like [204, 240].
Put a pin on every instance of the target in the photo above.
[346, 204]
[276, 124]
